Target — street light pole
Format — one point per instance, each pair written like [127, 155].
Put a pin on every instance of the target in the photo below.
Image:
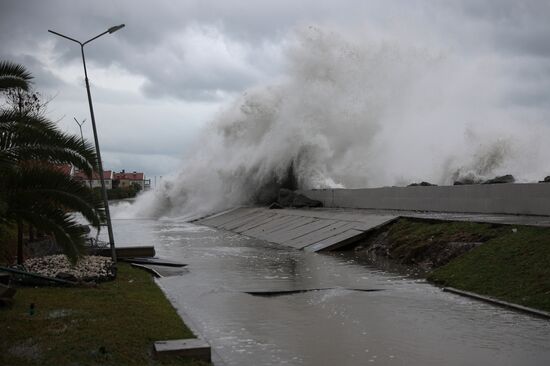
[82, 137]
[98, 153]
[80, 126]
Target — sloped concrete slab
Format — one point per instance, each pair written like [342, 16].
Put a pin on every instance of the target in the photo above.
[307, 229]
[259, 220]
[220, 219]
[334, 229]
[287, 236]
[293, 223]
[276, 223]
[240, 220]
[337, 241]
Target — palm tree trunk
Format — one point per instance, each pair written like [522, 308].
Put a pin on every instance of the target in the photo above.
[31, 233]
[19, 242]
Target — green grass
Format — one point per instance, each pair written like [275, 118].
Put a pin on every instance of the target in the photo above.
[511, 266]
[115, 323]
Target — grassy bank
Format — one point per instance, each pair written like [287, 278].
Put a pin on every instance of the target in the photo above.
[511, 264]
[514, 266]
[112, 324]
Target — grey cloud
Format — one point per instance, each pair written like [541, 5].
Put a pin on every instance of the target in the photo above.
[151, 46]
[42, 77]
[191, 86]
[149, 24]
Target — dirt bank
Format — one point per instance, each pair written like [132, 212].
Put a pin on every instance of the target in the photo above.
[508, 262]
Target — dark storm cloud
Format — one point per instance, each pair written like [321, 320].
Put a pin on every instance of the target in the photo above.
[41, 73]
[515, 27]
[149, 46]
[143, 47]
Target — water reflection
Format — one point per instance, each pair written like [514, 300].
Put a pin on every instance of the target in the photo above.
[409, 323]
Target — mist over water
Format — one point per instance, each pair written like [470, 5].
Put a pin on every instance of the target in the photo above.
[353, 112]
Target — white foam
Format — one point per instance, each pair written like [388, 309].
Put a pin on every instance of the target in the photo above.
[358, 113]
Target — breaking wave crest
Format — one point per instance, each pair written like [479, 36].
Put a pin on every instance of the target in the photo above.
[354, 113]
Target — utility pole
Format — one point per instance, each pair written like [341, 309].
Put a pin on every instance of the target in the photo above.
[96, 140]
[82, 139]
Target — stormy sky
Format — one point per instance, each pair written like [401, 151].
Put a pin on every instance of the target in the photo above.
[156, 82]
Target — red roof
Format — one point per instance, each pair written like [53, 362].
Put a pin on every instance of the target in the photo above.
[128, 176]
[64, 168]
[107, 174]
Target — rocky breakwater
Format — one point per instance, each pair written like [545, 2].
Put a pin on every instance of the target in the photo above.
[87, 269]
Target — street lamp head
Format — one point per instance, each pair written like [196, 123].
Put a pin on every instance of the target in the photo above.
[115, 28]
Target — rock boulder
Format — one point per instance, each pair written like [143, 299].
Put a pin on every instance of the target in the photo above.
[508, 178]
[288, 198]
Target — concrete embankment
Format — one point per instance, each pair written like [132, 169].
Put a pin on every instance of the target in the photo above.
[516, 199]
[310, 230]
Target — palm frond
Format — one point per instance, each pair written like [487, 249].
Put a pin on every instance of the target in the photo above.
[29, 137]
[67, 232]
[31, 190]
[13, 75]
[41, 183]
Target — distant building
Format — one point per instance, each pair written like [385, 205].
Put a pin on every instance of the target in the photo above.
[66, 169]
[125, 180]
[95, 181]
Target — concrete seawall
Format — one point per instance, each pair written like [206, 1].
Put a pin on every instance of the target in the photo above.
[519, 199]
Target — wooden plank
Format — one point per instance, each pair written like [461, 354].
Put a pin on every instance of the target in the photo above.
[39, 276]
[125, 252]
[147, 268]
[153, 261]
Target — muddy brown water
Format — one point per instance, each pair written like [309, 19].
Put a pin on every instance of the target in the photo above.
[409, 322]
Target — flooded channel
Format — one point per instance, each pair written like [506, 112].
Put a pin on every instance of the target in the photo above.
[407, 322]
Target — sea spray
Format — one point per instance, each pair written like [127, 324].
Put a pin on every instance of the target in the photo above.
[353, 113]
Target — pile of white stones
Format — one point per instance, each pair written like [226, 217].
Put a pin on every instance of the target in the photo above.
[88, 268]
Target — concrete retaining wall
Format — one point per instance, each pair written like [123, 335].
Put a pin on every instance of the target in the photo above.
[524, 199]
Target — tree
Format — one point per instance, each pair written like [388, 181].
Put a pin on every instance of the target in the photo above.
[27, 102]
[32, 191]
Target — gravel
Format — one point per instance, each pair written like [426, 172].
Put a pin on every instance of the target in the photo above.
[88, 268]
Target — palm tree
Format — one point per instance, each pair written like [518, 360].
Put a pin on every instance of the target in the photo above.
[32, 191]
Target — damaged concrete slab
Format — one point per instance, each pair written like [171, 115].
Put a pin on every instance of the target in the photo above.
[312, 230]
[275, 293]
[225, 217]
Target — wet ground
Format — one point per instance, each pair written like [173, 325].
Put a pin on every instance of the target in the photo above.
[408, 322]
